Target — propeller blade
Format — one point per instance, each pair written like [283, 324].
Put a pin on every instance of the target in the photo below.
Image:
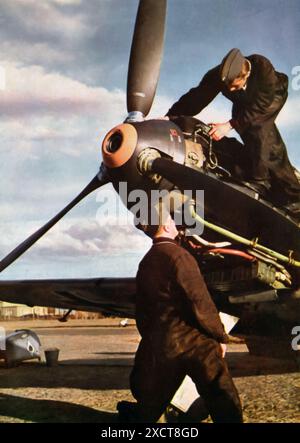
[145, 56]
[99, 180]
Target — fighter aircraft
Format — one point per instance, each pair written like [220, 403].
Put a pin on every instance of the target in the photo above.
[249, 250]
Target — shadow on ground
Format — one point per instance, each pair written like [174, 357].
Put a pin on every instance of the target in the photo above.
[242, 364]
[50, 411]
[113, 374]
[38, 375]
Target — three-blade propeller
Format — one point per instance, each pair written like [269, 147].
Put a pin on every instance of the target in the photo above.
[143, 72]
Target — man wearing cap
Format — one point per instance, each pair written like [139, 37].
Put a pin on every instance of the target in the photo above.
[258, 93]
[181, 332]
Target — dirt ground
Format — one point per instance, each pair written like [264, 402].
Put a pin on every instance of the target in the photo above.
[95, 360]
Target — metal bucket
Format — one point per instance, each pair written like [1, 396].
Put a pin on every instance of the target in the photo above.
[51, 356]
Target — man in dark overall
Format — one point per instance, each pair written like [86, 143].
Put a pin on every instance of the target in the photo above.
[181, 332]
[258, 94]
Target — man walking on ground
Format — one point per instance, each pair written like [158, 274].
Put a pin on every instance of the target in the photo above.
[181, 335]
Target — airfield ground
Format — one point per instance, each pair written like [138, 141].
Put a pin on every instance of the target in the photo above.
[95, 360]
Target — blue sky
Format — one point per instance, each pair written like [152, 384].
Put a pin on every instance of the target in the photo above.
[65, 64]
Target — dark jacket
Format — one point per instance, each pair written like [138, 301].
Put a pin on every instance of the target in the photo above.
[174, 310]
[251, 105]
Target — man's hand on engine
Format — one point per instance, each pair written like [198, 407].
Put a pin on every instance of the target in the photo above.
[219, 130]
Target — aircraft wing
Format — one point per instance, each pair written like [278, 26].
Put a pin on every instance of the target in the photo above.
[106, 295]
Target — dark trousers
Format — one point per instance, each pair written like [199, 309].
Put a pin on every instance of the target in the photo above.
[265, 156]
[155, 379]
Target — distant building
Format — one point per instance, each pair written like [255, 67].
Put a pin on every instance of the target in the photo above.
[9, 311]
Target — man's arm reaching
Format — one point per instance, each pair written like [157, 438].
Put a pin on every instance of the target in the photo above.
[199, 97]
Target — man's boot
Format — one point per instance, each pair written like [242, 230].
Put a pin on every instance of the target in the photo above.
[127, 412]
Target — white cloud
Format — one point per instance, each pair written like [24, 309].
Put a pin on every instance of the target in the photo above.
[161, 104]
[32, 90]
[66, 2]
[51, 113]
[46, 113]
[34, 200]
[77, 237]
[34, 52]
[46, 15]
[290, 114]
[216, 112]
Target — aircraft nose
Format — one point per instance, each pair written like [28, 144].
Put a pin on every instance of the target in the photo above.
[119, 145]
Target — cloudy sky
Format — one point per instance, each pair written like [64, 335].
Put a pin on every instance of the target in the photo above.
[65, 68]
